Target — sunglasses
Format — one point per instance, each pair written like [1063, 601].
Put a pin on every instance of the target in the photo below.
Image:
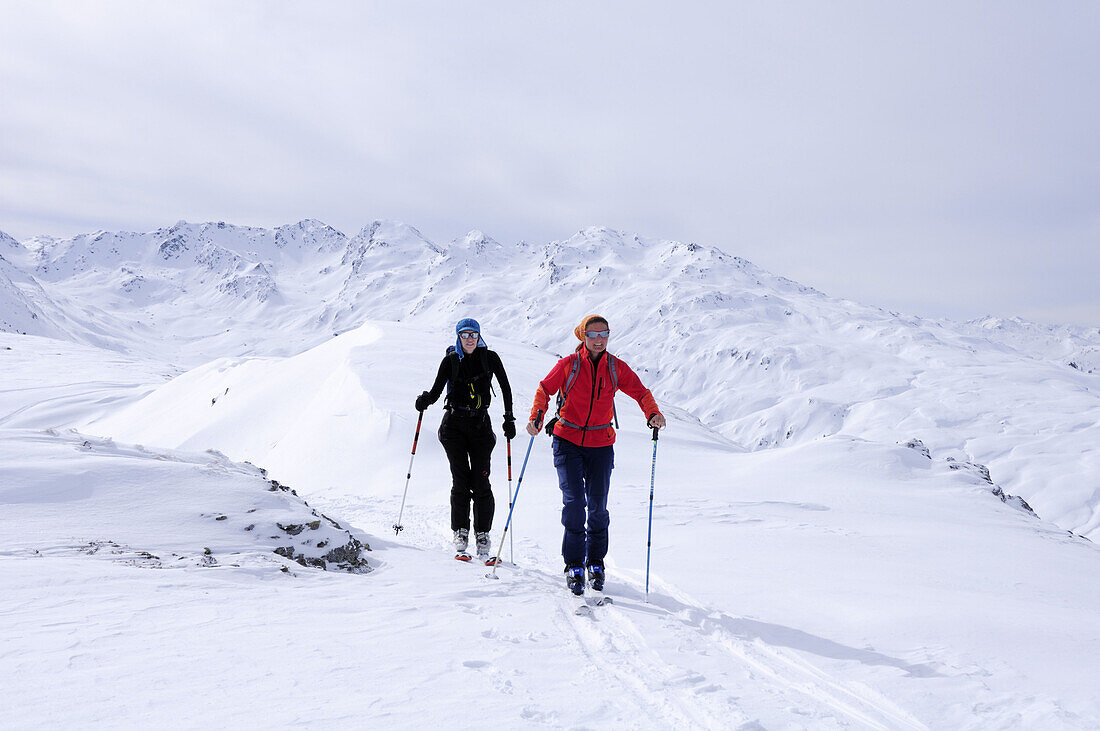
[468, 335]
[605, 334]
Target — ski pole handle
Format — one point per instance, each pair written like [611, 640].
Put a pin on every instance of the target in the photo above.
[511, 536]
[655, 430]
[416, 437]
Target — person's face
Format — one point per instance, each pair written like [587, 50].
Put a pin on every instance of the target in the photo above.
[468, 338]
[595, 337]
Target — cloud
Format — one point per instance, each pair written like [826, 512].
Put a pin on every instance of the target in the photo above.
[843, 134]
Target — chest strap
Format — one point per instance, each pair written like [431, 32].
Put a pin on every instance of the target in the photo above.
[571, 425]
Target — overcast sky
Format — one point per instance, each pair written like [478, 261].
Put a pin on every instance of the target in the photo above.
[941, 159]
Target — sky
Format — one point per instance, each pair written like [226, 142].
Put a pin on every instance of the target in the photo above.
[939, 159]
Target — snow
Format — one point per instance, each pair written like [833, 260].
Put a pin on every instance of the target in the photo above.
[835, 541]
[253, 517]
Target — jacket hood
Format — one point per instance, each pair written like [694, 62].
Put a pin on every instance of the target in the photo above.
[467, 323]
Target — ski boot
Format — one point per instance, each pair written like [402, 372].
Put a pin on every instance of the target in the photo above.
[596, 576]
[482, 547]
[462, 541]
[574, 579]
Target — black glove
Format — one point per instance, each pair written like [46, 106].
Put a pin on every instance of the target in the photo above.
[509, 426]
[550, 426]
[423, 401]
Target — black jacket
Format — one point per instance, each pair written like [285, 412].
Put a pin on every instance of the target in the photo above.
[470, 380]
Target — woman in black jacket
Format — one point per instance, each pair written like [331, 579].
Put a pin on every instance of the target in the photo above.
[466, 434]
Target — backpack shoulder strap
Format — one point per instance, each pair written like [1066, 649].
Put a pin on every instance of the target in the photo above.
[564, 390]
[614, 388]
[572, 376]
[452, 356]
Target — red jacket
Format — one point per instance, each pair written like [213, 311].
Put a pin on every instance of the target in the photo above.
[590, 400]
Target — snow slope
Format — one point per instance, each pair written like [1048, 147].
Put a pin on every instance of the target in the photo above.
[834, 584]
[18, 313]
[11, 249]
[139, 506]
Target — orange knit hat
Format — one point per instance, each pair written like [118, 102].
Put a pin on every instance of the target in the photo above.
[588, 320]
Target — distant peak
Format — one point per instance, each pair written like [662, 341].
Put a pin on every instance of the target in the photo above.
[383, 233]
[8, 243]
[309, 224]
[989, 322]
[477, 241]
[600, 231]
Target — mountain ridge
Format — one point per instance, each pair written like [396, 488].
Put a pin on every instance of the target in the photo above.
[761, 359]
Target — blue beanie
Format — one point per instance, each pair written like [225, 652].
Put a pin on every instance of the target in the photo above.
[467, 323]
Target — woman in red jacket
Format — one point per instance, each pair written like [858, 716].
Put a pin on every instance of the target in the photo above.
[583, 439]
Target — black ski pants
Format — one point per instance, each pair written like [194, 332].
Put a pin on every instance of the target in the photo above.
[468, 440]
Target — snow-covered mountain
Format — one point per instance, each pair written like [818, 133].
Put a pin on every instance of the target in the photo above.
[764, 361]
[9, 246]
[23, 303]
[835, 541]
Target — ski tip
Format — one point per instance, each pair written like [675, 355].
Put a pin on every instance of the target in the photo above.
[493, 562]
[462, 557]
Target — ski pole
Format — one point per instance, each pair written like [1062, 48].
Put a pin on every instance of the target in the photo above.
[649, 536]
[512, 507]
[397, 527]
[511, 536]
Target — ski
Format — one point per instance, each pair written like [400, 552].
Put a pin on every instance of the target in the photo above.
[583, 605]
[492, 561]
[600, 599]
[462, 556]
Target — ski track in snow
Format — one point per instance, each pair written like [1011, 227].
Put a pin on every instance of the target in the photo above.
[616, 659]
[615, 643]
[665, 690]
[674, 662]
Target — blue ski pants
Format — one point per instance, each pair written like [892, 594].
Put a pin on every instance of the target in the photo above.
[584, 476]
